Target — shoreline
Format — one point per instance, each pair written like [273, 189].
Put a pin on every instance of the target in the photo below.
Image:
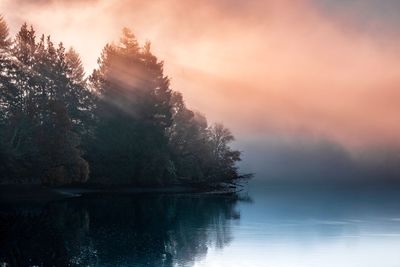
[42, 193]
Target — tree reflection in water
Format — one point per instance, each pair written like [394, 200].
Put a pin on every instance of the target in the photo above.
[139, 230]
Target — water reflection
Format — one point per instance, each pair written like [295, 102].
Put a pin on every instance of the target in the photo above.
[139, 230]
[282, 227]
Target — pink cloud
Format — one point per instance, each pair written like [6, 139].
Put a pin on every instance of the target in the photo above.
[264, 67]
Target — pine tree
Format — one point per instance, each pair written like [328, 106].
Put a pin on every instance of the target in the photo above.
[75, 70]
[5, 86]
[4, 34]
[134, 113]
[25, 45]
[61, 158]
[80, 101]
[38, 91]
[132, 126]
[18, 109]
[188, 141]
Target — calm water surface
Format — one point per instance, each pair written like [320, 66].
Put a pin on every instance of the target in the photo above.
[275, 226]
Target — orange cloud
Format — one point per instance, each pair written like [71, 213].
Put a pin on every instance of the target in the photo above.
[261, 67]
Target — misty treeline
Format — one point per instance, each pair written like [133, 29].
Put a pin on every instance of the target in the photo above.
[121, 125]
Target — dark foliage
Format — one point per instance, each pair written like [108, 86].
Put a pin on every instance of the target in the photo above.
[124, 122]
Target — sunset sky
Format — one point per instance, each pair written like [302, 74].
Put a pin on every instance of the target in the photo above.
[273, 69]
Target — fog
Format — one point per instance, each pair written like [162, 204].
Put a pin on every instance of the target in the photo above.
[310, 88]
[314, 160]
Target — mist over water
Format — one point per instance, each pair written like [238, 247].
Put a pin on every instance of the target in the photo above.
[309, 159]
[267, 226]
[314, 226]
[309, 88]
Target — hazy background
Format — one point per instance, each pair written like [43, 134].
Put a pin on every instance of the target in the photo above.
[310, 88]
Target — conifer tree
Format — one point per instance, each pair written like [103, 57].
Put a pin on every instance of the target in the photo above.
[133, 128]
[188, 141]
[4, 34]
[61, 158]
[37, 92]
[134, 113]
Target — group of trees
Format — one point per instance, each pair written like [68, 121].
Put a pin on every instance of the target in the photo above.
[123, 124]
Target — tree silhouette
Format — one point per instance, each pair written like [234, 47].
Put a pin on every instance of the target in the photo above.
[124, 121]
[35, 89]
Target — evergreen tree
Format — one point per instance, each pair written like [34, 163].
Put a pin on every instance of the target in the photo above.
[75, 70]
[5, 65]
[133, 128]
[35, 85]
[5, 81]
[61, 158]
[134, 113]
[5, 41]
[25, 45]
[188, 141]
[80, 101]
[16, 132]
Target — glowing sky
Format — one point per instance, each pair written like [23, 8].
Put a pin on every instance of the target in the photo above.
[325, 68]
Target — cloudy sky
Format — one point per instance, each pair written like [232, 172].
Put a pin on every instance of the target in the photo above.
[274, 71]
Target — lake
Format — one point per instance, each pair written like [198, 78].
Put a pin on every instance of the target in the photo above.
[266, 226]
